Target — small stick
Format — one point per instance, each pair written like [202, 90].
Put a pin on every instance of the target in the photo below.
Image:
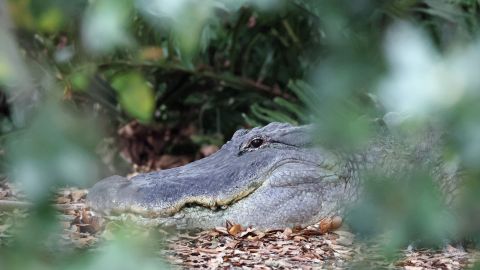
[7, 205]
[71, 206]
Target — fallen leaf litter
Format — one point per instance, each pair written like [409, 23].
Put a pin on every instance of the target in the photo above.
[235, 246]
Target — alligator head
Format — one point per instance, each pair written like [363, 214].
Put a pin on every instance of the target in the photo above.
[267, 177]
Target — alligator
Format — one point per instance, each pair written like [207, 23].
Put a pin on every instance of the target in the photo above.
[274, 176]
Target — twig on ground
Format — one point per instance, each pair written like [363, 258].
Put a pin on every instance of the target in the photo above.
[8, 205]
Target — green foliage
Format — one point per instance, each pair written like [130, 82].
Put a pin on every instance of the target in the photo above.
[414, 213]
[220, 65]
[135, 96]
[232, 59]
[105, 26]
[412, 58]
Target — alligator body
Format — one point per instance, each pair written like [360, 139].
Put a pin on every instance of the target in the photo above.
[269, 177]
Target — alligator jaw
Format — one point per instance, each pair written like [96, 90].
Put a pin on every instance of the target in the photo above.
[211, 182]
[208, 203]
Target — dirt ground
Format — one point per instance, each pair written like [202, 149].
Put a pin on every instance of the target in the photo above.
[233, 246]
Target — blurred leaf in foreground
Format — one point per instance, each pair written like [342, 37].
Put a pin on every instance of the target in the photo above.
[187, 19]
[5, 70]
[50, 153]
[408, 208]
[131, 248]
[105, 25]
[347, 73]
[48, 16]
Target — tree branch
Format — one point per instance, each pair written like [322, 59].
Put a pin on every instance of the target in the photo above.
[228, 79]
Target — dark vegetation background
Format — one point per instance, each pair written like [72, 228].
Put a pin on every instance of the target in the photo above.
[92, 88]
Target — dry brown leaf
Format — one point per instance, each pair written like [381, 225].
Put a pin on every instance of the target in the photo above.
[298, 238]
[63, 200]
[287, 233]
[413, 268]
[309, 232]
[210, 251]
[235, 229]
[336, 222]
[78, 194]
[3, 194]
[249, 231]
[65, 225]
[325, 225]
[232, 244]
[258, 235]
[222, 230]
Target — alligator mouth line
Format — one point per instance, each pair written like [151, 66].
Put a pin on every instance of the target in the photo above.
[202, 201]
[209, 202]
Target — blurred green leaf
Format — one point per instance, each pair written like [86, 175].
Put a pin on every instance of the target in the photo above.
[51, 20]
[188, 20]
[19, 9]
[49, 153]
[79, 81]
[408, 207]
[5, 70]
[135, 95]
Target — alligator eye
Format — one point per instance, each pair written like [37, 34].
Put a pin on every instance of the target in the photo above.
[255, 143]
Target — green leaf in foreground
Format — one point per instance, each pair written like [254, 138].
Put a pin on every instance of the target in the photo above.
[135, 95]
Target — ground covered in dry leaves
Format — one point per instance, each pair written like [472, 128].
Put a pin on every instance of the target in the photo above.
[306, 248]
[232, 246]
